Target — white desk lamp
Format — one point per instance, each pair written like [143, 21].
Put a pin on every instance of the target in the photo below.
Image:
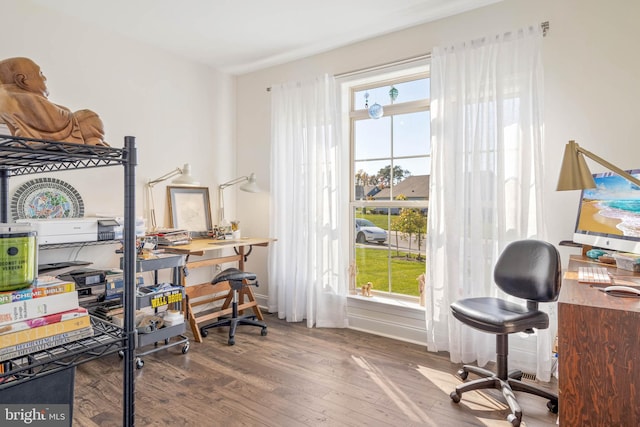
[250, 186]
[184, 178]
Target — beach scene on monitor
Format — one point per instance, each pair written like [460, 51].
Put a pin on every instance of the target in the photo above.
[613, 207]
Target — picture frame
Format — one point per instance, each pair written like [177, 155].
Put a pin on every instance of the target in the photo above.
[190, 209]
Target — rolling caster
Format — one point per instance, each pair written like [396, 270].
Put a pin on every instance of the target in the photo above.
[455, 396]
[463, 374]
[515, 421]
[139, 363]
[263, 332]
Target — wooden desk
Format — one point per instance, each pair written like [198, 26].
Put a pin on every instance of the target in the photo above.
[598, 353]
[221, 291]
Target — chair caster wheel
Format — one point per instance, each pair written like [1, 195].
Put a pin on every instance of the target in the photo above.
[204, 332]
[185, 348]
[463, 374]
[263, 332]
[553, 406]
[455, 396]
[121, 354]
[139, 363]
[515, 421]
[231, 341]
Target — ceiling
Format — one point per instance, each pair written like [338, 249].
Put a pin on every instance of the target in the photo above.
[240, 36]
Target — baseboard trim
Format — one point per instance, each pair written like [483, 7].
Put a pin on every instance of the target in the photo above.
[388, 319]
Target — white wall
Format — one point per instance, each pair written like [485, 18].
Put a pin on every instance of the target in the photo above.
[184, 112]
[592, 86]
[178, 111]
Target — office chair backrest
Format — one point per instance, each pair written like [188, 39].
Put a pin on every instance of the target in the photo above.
[529, 269]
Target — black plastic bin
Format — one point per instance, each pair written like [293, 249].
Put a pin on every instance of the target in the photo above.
[51, 389]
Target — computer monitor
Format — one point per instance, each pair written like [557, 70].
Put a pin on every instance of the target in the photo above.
[609, 215]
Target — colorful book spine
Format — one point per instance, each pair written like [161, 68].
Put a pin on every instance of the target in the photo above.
[31, 308]
[30, 347]
[44, 320]
[41, 288]
[46, 331]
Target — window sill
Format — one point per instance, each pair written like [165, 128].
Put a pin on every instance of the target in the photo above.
[387, 315]
[388, 300]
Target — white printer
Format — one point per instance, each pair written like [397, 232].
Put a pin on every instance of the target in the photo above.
[64, 230]
[78, 230]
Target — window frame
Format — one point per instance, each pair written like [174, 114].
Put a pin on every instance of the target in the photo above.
[374, 80]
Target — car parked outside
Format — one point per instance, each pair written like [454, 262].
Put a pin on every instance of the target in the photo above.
[366, 231]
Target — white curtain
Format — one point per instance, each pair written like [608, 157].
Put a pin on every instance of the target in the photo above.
[487, 124]
[308, 264]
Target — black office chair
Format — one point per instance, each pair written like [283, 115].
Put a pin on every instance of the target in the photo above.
[238, 280]
[527, 269]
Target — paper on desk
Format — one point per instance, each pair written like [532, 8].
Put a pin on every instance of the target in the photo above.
[630, 281]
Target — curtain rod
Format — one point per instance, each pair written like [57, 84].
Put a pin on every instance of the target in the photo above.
[544, 25]
[385, 65]
[379, 66]
[545, 28]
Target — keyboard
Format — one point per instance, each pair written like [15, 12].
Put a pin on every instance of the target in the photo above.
[596, 275]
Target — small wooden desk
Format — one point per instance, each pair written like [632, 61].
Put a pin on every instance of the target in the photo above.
[598, 353]
[202, 247]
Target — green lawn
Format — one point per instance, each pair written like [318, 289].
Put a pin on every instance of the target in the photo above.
[373, 267]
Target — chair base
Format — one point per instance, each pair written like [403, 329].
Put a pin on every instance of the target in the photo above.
[233, 323]
[508, 385]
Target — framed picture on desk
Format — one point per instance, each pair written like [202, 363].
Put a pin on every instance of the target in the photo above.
[190, 209]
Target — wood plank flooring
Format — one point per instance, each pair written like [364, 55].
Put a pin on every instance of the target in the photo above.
[294, 376]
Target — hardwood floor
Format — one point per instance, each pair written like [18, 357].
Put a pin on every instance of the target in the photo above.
[294, 376]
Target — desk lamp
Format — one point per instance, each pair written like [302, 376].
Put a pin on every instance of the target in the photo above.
[250, 186]
[184, 178]
[575, 174]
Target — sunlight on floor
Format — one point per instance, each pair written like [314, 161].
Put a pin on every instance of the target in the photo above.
[397, 396]
[478, 402]
[483, 405]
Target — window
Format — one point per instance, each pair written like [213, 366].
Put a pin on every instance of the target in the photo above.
[390, 164]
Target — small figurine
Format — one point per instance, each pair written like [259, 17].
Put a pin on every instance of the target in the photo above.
[366, 289]
[421, 284]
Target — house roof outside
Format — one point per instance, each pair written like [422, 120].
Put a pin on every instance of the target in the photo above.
[413, 188]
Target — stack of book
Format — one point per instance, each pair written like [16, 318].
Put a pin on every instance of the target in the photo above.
[108, 310]
[42, 316]
[171, 237]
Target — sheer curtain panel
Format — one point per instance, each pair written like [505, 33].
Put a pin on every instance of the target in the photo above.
[487, 126]
[308, 264]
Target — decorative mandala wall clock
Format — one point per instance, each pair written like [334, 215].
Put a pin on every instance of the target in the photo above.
[45, 198]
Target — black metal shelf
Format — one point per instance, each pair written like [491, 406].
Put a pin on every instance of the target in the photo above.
[24, 156]
[107, 339]
[77, 244]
